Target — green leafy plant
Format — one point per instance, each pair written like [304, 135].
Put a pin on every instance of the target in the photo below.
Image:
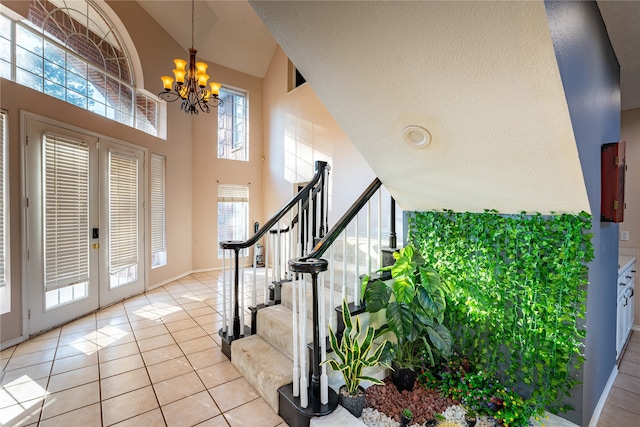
[515, 411]
[518, 296]
[415, 304]
[354, 353]
[406, 412]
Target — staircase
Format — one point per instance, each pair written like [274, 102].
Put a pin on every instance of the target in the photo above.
[280, 353]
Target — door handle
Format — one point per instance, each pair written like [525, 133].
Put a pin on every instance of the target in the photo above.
[96, 246]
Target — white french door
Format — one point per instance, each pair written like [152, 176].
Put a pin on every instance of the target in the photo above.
[84, 223]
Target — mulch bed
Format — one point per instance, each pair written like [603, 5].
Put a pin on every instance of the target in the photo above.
[424, 403]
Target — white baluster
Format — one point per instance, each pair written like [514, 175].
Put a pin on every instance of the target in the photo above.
[324, 384]
[379, 228]
[278, 253]
[344, 265]
[368, 237]
[291, 243]
[356, 298]
[254, 292]
[332, 272]
[296, 360]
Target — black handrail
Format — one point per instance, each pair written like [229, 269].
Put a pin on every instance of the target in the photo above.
[236, 245]
[324, 244]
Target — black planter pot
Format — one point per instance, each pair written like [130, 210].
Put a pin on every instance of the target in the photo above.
[404, 421]
[353, 404]
[403, 378]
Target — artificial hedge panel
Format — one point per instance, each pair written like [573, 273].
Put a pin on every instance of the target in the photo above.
[519, 293]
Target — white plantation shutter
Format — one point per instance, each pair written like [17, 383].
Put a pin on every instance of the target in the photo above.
[158, 241]
[66, 206]
[123, 211]
[3, 202]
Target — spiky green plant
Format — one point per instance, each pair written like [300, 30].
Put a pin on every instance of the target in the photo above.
[352, 354]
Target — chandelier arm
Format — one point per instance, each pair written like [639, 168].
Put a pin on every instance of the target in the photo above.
[169, 96]
[193, 98]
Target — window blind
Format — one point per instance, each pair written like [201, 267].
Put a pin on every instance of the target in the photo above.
[158, 239]
[233, 193]
[123, 211]
[3, 202]
[233, 214]
[66, 206]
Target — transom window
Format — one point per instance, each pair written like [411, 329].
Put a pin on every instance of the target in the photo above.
[70, 50]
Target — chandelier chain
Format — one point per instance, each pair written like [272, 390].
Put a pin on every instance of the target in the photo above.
[193, 9]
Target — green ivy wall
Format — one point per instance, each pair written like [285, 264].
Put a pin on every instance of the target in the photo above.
[519, 296]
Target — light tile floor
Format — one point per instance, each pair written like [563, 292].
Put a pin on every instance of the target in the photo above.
[622, 408]
[152, 360]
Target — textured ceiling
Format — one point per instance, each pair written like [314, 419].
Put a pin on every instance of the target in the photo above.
[482, 77]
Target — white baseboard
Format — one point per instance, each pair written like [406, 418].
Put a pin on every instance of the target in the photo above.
[636, 328]
[180, 276]
[603, 397]
[12, 342]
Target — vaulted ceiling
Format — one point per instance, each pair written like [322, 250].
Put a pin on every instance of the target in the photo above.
[481, 77]
[231, 34]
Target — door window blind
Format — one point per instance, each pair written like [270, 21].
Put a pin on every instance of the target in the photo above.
[3, 202]
[66, 212]
[158, 240]
[123, 211]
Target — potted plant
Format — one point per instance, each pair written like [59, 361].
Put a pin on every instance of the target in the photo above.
[352, 354]
[406, 416]
[415, 304]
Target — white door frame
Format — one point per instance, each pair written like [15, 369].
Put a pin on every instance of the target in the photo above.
[24, 117]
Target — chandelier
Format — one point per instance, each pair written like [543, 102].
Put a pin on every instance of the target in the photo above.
[190, 86]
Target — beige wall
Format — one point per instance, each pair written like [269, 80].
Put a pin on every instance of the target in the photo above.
[298, 131]
[281, 125]
[192, 169]
[630, 132]
[208, 170]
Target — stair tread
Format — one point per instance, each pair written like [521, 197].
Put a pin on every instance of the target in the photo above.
[265, 367]
[275, 325]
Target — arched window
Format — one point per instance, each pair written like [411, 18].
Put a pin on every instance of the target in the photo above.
[71, 50]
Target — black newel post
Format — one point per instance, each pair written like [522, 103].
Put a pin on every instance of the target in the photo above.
[236, 307]
[392, 235]
[313, 266]
[315, 376]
